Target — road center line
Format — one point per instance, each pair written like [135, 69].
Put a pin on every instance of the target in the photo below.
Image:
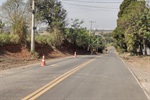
[51, 84]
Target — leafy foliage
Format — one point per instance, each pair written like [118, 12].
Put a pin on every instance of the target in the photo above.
[8, 39]
[52, 13]
[132, 32]
[1, 26]
[80, 37]
[14, 12]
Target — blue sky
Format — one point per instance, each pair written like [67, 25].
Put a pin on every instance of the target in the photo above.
[103, 12]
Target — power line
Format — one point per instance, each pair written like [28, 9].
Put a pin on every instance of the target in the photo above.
[90, 6]
[91, 1]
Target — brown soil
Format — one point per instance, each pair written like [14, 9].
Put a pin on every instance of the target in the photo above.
[17, 55]
[141, 62]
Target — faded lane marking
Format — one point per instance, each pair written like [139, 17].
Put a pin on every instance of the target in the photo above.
[54, 65]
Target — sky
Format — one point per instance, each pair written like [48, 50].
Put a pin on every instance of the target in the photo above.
[102, 13]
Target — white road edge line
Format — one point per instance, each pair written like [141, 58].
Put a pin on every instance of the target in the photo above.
[134, 77]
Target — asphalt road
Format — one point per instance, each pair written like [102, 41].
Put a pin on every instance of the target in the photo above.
[90, 77]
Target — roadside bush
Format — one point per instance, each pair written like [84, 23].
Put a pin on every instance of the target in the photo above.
[8, 39]
[51, 39]
[35, 54]
[4, 39]
[41, 39]
[57, 37]
[14, 39]
[28, 38]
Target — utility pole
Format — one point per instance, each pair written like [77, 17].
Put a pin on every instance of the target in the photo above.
[91, 25]
[90, 31]
[33, 27]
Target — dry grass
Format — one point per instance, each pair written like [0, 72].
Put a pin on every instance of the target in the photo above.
[141, 62]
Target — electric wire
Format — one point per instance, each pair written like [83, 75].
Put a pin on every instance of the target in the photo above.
[91, 6]
[91, 1]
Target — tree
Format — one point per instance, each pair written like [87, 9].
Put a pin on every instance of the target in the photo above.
[52, 13]
[14, 12]
[132, 26]
[77, 35]
[144, 30]
[1, 26]
[119, 40]
[97, 44]
[82, 38]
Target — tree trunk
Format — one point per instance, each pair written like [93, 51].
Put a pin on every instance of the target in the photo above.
[145, 47]
[74, 45]
[0, 30]
[141, 49]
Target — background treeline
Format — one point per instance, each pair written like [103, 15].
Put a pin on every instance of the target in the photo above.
[15, 25]
[133, 28]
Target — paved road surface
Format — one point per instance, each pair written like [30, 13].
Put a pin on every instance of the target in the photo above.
[98, 77]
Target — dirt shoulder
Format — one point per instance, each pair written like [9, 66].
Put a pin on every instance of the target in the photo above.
[13, 60]
[140, 66]
[12, 56]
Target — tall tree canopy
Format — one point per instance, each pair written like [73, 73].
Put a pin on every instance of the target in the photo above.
[132, 30]
[52, 13]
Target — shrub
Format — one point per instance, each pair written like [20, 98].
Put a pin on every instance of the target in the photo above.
[41, 39]
[14, 39]
[28, 38]
[9, 39]
[50, 39]
[4, 39]
[35, 54]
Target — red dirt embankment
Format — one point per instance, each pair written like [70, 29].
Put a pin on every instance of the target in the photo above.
[17, 55]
